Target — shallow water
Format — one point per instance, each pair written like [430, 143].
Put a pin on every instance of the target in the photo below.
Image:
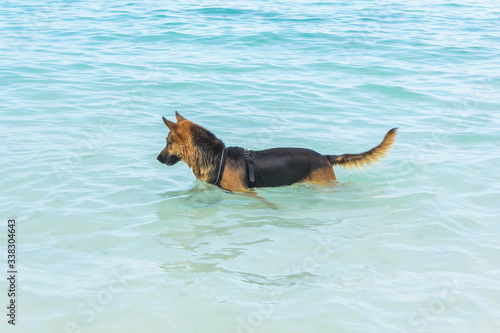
[111, 240]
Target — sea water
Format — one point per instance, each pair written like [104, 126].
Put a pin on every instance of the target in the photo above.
[110, 240]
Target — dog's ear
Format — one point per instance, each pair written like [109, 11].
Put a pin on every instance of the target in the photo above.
[170, 124]
[179, 117]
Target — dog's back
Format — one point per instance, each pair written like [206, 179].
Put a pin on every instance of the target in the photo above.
[285, 166]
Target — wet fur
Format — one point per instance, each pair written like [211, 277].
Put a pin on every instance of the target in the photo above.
[202, 152]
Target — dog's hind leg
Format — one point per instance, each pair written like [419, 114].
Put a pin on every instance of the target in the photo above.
[252, 194]
[323, 175]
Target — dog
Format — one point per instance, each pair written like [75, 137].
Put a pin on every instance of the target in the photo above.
[237, 169]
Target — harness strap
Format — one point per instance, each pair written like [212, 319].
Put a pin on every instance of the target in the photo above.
[251, 170]
[221, 167]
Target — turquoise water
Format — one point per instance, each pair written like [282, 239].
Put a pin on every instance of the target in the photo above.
[110, 240]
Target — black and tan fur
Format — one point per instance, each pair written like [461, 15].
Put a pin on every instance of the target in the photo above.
[202, 152]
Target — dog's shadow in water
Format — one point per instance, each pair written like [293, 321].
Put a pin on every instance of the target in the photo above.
[203, 194]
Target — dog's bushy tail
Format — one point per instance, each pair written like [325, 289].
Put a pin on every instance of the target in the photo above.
[372, 156]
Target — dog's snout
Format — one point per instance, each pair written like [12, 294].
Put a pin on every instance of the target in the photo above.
[160, 159]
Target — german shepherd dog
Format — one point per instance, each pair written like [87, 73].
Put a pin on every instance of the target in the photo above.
[237, 169]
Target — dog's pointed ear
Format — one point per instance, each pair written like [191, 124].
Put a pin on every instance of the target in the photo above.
[179, 117]
[170, 124]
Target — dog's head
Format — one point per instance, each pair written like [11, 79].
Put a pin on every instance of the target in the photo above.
[176, 141]
[191, 144]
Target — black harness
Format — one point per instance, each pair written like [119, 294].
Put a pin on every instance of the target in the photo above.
[250, 168]
[248, 161]
[222, 164]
